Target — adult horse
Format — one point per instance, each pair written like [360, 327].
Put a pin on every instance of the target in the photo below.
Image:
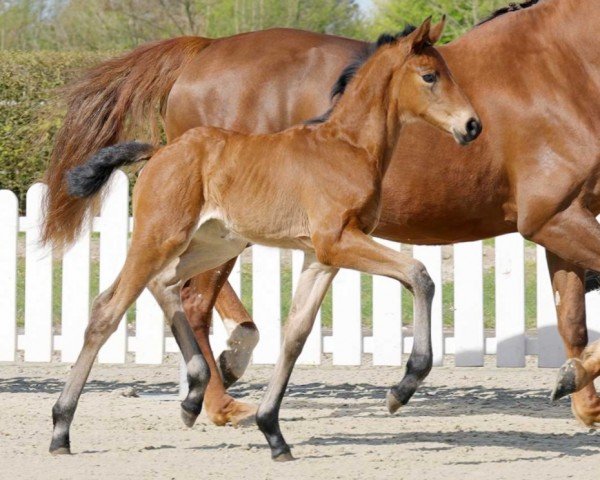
[533, 75]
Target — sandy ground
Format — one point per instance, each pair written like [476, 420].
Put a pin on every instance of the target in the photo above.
[470, 423]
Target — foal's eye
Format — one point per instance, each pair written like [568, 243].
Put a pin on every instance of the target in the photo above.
[429, 77]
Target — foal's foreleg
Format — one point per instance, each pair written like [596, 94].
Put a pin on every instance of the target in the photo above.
[314, 282]
[358, 251]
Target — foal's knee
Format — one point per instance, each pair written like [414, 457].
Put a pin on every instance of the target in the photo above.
[421, 281]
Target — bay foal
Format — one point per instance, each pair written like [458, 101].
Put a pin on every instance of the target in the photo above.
[200, 200]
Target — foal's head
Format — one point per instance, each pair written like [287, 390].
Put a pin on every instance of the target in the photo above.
[422, 86]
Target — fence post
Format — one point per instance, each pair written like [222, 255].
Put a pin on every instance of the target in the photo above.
[387, 317]
[114, 232]
[9, 226]
[510, 301]
[38, 283]
[75, 297]
[266, 302]
[469, 338]
[432, 259]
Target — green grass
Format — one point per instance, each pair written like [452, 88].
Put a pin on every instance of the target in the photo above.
[326, 308]
[489, 295]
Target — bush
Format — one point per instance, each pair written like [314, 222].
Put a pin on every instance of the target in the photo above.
[31, 111]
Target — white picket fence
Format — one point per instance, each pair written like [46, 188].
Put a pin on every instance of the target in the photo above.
[346, 343]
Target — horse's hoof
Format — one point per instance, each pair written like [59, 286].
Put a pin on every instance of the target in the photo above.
[566, 382]
[61, 451]
[189, 418]
[392, 403]
[284, 457]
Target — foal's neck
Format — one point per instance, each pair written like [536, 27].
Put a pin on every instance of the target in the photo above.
[364, 115]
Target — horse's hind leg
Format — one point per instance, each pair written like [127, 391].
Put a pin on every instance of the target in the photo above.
[314, 282]
[199, 296]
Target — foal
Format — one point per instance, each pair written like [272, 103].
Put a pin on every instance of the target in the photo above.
[202, 199]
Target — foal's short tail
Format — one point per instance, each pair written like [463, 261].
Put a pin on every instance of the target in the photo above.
[86, 180]
[108, 104]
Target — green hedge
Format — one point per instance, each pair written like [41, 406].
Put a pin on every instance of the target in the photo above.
[31, 111]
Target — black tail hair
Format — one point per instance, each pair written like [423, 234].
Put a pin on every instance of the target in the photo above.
[592, 281]
[87, 179]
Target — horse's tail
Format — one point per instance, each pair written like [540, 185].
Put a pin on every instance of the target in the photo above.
[87, 180]
[109, 102]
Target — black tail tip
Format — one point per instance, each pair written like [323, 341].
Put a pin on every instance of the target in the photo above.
[87, 179]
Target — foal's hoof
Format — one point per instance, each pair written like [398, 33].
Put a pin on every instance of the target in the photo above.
[60, 451]
[567, 379]
[284, 457]
[188, 417]
[392, 403]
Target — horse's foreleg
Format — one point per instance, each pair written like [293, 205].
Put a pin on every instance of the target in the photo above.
[574, 237]
[314, 282]
[199, 296]
[358, 251]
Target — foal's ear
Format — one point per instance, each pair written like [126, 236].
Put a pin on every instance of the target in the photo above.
[419, 39]
[435, 32]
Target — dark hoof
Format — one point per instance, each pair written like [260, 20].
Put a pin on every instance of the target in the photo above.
[566, 382]
[284, 457]
[61, 451]
[188, 417]
[392, 403]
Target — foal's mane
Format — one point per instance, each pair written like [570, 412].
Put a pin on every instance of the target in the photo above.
[339, 87]
[385, 39]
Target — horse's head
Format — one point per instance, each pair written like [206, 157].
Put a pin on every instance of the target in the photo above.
[423, 87]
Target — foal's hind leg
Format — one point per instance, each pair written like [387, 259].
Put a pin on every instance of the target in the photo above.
[314, 282]
[107, 310]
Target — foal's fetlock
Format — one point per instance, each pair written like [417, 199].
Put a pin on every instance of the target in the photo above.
[417, 368]
[60, 444]
[572, 377]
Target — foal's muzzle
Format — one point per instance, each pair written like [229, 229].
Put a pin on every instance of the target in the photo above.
[471, 132]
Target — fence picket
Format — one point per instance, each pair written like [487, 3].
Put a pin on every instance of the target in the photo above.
[311, 353]
[510, 301]
[9, 225]
[432, 259]
[114, 232]
[346, 322]
[387, 317]
[149, 330]
[75, 297]
[38, 283]
[266, 302]
[468, 304]
[550, 349]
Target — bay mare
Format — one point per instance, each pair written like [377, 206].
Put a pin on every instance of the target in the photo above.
[533, 76]
[201, 199]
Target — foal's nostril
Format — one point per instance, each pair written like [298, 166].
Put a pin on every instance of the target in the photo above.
[473, 128]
